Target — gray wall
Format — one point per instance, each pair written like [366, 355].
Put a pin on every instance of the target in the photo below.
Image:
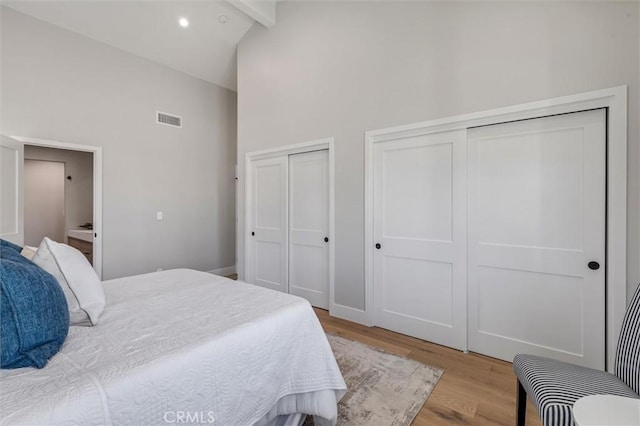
[339, 69]
[78, 192]
[61, 86]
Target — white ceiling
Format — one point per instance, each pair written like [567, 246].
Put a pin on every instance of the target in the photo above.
[206, 49]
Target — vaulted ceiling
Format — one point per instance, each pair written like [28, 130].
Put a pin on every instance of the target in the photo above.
[206, 48]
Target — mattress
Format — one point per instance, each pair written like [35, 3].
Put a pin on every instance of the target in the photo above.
[183, 347]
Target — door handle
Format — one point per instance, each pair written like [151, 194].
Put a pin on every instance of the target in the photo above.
[326, 239]
[378, 246]
[593, 265]
[253, 233]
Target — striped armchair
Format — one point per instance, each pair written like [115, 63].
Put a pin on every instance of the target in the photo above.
[554, 386]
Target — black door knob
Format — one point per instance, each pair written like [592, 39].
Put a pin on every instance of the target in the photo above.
[253, 233]
[378, 246]
[594, 266]
[326, 239]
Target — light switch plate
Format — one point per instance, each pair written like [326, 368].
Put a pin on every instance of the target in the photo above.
[159, 215]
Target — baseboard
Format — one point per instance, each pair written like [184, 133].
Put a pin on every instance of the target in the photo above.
[229, 270]
[350, 314]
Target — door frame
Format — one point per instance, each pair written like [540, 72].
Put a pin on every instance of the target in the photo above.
[615, 101]
[286, 150]
[16, 237]
[97, 188]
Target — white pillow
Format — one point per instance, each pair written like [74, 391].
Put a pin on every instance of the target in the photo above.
[80, 284]
[29, 252]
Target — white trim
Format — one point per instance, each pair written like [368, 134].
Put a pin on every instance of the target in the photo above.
[16, 237]
[332, 234]
[566, 104]
[368, 227]
[226, 271]
[315, 145]
[248, 182]
[97, 189]
[615, 100]
[350, 314]
[298, 148]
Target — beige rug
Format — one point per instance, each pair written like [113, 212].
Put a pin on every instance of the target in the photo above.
[383, 389]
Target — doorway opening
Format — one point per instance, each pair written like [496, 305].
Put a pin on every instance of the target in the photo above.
[58, 197]
[95, 184]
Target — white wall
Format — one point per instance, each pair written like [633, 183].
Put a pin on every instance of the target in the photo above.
[78, 192]
[340, 68]
[61, 86]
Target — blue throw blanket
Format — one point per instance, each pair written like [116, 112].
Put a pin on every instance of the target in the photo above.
[34, 318]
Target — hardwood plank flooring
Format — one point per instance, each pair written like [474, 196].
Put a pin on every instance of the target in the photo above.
[474, 390]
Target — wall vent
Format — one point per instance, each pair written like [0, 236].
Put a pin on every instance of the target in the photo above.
[168, 119]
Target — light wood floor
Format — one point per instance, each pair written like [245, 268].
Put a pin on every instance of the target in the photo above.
[474, 390]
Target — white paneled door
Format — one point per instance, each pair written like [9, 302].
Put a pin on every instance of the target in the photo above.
[289, 225]
[11, 190]
[420, 231]
[309, 227]
[268, 226]
[537, 238]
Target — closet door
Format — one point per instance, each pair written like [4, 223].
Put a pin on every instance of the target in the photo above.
[268, 226]
[419, 257]
[537, 238]
[309, 227]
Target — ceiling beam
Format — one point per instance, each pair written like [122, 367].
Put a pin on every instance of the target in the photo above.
[263, 11]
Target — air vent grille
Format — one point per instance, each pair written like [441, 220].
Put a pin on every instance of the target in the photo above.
[168, 119]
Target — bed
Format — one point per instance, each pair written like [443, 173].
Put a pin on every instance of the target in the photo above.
[184, 347]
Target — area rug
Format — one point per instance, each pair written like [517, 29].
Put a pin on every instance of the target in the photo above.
[383, 389]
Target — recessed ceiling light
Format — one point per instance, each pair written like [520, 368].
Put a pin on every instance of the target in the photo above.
[184, 22]
[223, 19]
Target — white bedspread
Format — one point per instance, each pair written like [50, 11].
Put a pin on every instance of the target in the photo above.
[182, 347]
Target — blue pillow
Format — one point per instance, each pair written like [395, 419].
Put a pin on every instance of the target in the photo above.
[34, 318]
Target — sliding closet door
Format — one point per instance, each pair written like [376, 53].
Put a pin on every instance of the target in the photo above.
[419, 253]
[537, 238]
[309, 227]
[268, 225]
